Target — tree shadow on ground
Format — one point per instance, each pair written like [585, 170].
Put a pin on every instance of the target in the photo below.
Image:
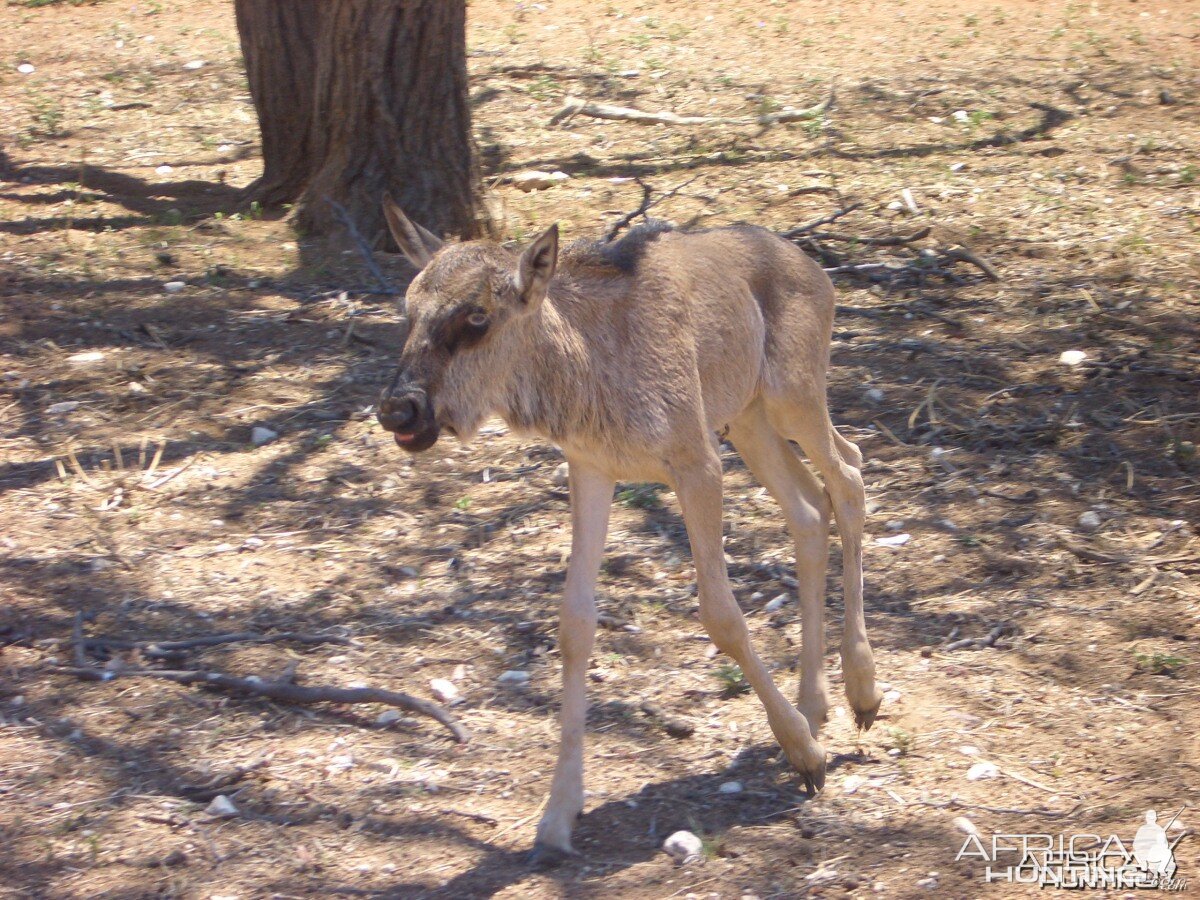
[632, 829]
[190, 200]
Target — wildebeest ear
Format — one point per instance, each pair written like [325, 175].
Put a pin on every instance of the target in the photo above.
[537, 266]
[415, 242]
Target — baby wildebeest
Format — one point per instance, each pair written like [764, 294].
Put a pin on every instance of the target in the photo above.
[631, 356]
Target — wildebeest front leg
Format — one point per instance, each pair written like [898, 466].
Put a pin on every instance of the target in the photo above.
[699, 490]
[591, 500]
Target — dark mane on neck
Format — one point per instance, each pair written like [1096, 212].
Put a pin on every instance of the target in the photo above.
[622, 255]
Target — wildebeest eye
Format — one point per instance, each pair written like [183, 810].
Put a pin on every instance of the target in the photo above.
[465, 328]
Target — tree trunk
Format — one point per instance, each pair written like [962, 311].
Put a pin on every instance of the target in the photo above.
[279, 44]
[360, 97]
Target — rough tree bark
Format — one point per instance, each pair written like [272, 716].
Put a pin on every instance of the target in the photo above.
[279, 45]
[360, 97]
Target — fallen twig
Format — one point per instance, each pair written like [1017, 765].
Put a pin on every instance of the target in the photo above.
[645, 206]
[202, 793]
[1093, 555]
[363, 248]
[824, 220]
[890, 240]
[981, 642]
[285, 691]
[163, 649]
[962, 255]
[576, 106]
[473, 816]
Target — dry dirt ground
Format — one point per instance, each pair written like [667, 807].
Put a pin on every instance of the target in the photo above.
[1057, 140]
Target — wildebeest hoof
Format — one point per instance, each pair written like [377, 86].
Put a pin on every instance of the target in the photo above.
[865, 718]
[545, 856]
[813, 773]
[814, 782]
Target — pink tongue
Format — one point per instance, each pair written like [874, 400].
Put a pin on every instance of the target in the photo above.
[403, 438]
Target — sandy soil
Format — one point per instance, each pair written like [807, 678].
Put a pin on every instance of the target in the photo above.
[1059, 141]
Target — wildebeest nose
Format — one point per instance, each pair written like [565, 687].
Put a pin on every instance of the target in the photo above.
[398, 413]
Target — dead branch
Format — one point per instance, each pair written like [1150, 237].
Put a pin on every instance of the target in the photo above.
[889, 240]
[361, 243]
[163, 649]
[981, 642]
[645, 206]
[284, 691]
[824, 220]
[576, 106]
[962, 255]
[473, 816]
[1091, 554]
[928, 263]
[206, 791]
[626, 219]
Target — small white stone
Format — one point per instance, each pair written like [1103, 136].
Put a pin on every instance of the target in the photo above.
[983, 771]
[961, 115]
[1072, 357]
[194, 64]
[1089, 521]
[562, 475]
[895, 540]
[221, 807]
[224, 151]
[730, 787]
[514, 678]
[776, 604]
[174, 287]
[88, 356]
[26, 69]
[136, 387]
[66, 406]
[928, 883]
[683, 846]
[852, 783]
[875, 395]
[891, 696]
[163, 170]
[443, 689]
[340, 763]
[388, 717]
[260, 435]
